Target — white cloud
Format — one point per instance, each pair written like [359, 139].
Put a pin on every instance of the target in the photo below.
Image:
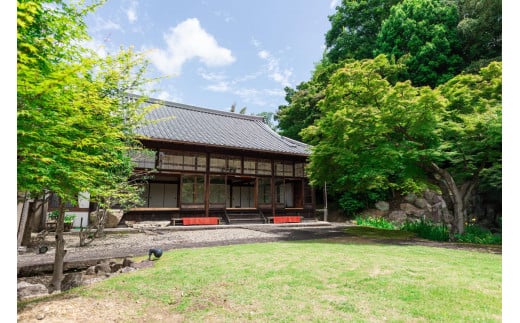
[256, 42]
[219, 87]
[333, 4]
[208, 76]
[262, 97]
[101, 24]
[186, 41]
[276, 73]
[222, 84]
[263, 54]
[169, 95]
[224, 14]
[131, 12]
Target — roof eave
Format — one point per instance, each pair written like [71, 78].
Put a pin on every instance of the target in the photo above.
[177, 142]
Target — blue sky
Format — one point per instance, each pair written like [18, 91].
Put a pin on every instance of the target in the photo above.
[216, 53]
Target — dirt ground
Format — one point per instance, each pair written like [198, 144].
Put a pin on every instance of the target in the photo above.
[66, 308]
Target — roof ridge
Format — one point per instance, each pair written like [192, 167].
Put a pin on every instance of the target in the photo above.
[200, 126]
[201, 109]
[287, 141]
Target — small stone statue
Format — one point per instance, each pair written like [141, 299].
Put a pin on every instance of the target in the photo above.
[157, 252]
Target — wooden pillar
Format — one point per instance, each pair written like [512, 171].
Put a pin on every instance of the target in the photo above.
[273, 191]
[255, 194]
[206, 186]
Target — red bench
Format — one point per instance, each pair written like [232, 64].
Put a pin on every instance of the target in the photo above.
[201, 220]
[287, 219]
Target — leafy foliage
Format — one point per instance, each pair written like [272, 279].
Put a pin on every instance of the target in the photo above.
[472, 128]
[354, 29]
[427, 230]
[75, 121]
[375, 222]
[477, 234]
[375, 135]
[351, 203]
[368, 134]
[423, 34]
[472, 234]
[480, 31]
[69, 218]
[302, 109]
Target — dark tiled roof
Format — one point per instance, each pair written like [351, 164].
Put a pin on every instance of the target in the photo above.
[189, 124]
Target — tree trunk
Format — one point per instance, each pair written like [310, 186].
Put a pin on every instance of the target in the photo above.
[22, 217]
[459, 198]
[101, 220]
[43, 216]
[57, 274]
[26, 238]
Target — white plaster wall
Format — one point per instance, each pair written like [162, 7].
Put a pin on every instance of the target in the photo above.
[77, 221]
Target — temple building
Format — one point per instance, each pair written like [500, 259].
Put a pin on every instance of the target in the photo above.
[216, 164]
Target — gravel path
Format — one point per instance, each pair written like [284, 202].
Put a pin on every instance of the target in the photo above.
[120, 243]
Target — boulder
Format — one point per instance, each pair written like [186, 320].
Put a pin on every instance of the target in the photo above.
[382, 206]
[103, 268]
[116, 267]
[71, 280]
[127, 262]
[91, 270]
[422, 204]
[373, 213]
[27, 290]
[398, 217]
[113, 218]
[411, 210]
[429, 196]
[127, 269]
[410, 198]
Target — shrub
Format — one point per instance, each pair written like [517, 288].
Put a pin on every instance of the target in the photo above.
[476, 234]
[350, 203]
[427, 230]
[380, 223]
[69, 218]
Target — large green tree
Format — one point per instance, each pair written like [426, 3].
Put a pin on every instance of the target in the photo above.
[354, 28]
[302, 108]
[375, 134]
[75, 124]
[423, 34]
[480, 31]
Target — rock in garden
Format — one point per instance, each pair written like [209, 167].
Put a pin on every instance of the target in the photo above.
[91, 270]
[103, 267]
[71, 280]
[422, 204]
[397, 217]
[27, 290]
[127, 270]
[127, 262]
[115, 267]
[410, 209]
[382, 206]
[410, 198]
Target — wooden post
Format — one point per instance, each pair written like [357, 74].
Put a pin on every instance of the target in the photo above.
[206, 187]
[325, 208]
[273, 191]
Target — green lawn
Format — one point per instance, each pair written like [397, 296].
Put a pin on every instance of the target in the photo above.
[316, 281]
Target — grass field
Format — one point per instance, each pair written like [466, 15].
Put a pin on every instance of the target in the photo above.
[315, 281]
